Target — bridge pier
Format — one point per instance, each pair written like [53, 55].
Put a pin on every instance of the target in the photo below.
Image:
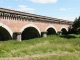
[44, 34]
[17, 36]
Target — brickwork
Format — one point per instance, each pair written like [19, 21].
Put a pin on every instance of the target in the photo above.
[17, 21]
[17, 25]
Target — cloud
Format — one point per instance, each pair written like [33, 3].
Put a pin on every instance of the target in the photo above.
[44, 1]
[69, 8]
[62, 9]
[25, 9]
[68, 18]
[9, 7]
[18, 0]
[65, 9]
[22, 8]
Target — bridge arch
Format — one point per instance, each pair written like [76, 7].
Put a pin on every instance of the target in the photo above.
[64, 30]
[7, 28]
[30, 31]
[5, 32]
[51, 30]
[30, 25]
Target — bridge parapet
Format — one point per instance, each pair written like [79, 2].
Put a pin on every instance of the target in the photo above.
[16, 15]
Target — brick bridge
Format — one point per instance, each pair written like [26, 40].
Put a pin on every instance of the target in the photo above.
[20, 26]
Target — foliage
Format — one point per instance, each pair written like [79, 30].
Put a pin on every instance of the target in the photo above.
[76, 26]
[59, 32]
[50, 48]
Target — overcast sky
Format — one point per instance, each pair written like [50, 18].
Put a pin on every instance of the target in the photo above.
[62, 9]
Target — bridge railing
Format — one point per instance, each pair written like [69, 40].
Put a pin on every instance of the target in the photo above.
[16, 15]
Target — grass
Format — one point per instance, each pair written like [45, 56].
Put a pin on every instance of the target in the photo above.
[50, 48]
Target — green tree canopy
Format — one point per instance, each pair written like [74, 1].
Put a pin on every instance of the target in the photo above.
[76, 25]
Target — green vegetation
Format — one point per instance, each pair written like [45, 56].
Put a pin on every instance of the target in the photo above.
[50, 48]
[75, 26]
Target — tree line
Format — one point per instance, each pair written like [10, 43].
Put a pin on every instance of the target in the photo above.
[75, 28]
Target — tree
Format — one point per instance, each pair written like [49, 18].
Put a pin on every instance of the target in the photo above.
[76, 26]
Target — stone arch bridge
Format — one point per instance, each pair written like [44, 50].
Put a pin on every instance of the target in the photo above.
[20, 25]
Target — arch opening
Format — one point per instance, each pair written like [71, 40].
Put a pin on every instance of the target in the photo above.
[64, 31]
[4, 34]
[30, 33]
[51, 31]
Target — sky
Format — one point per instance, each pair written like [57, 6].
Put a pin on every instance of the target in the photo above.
[61, 9]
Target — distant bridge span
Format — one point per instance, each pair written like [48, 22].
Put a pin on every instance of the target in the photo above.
[21, 26]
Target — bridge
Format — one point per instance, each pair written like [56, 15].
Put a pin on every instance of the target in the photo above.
[22, 26]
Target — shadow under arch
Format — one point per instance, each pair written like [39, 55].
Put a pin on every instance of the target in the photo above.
[5, 32]
[30, 31]
[64, 31]
[51, 30]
